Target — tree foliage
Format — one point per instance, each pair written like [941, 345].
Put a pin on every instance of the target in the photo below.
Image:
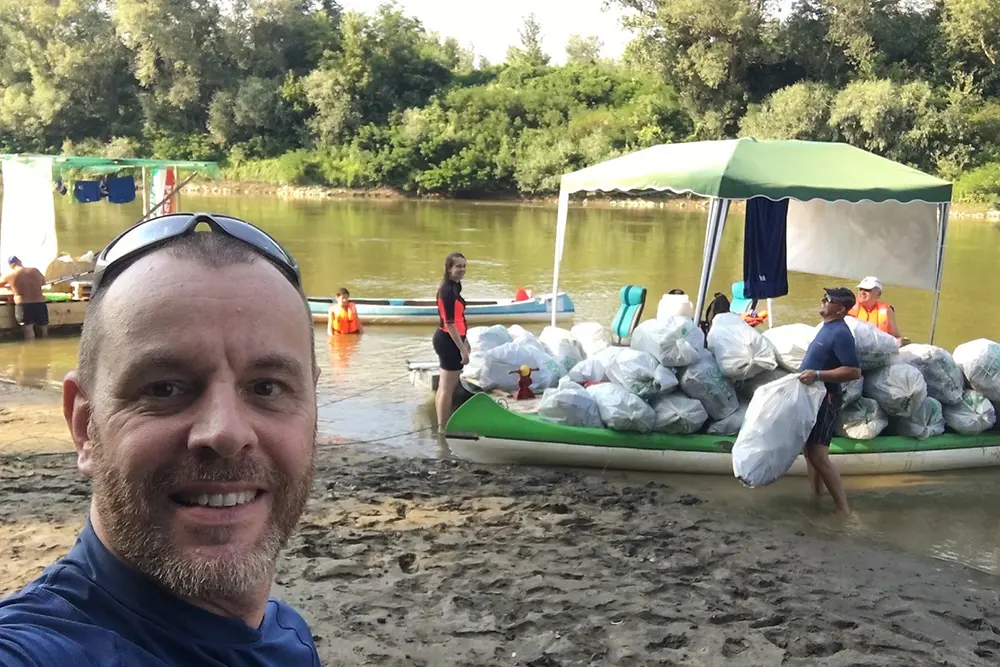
[299, 91]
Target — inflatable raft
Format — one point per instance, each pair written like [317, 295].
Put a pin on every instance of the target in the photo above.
[477, 311]
[483, 431]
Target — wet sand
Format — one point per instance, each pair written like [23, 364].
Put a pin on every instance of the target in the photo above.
[436, 562]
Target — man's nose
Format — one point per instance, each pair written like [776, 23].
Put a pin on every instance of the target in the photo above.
[221, 422]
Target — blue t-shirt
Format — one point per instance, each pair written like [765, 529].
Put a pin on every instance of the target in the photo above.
[91, 610]
[832, 347]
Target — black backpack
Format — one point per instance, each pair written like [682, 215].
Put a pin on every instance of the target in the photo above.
[719, 304]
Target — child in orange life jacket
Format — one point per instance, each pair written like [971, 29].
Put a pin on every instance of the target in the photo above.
[343, 316]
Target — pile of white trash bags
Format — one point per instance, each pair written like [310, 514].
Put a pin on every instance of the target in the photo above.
[671, 379]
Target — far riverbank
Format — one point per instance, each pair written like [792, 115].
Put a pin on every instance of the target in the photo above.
[596, 200]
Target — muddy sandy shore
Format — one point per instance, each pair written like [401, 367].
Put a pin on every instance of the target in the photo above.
[435, 562]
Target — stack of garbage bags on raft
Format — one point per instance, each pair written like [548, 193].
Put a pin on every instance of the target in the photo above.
[671, 379]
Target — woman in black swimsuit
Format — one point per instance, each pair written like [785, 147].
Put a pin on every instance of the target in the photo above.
[449, 339]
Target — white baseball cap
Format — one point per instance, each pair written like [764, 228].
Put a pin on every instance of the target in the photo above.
[870, 283]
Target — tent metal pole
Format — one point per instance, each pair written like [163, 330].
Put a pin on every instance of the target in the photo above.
[720, 227]
[709, 229]
[562, 212]
[943, 212]
[145, 194]
[717, 210]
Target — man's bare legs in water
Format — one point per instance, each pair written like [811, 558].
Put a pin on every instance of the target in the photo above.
[821, 469]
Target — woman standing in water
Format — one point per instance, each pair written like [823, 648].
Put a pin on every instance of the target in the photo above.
[449, 339]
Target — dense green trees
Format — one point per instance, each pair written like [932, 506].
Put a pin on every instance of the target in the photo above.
[299, 92]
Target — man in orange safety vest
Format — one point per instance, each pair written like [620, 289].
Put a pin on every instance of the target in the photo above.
[870, 308]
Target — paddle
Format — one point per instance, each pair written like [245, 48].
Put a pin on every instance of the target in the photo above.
[66, 279]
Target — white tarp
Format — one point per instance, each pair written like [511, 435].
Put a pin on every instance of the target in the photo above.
[28, 217]
[846, 240]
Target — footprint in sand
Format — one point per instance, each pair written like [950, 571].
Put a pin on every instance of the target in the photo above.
[408, 562]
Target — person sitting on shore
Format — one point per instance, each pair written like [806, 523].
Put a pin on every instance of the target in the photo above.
[30, 310]
[343, 316]
[193, 411]
[870, 308]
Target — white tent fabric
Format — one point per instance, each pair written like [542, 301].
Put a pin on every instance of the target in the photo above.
[848, 240]
[28, 216]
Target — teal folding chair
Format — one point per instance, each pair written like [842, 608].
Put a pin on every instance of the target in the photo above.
[739, 304]
[633, 301]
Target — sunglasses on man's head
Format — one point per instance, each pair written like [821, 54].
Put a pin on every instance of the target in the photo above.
[146, 236]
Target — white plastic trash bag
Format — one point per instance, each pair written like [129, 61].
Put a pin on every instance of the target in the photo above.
[492, 369]
[592, 336]
[608, 354]
[851, 391]
[973, 415]
[622, 410]
[641, 374]
[745, 388]
[674, 304]
[563, 347]
[729, 425]
[863, 419]
[980, 362]
[875, 347]
[739, 349]
[927, 421]
[944, 378]
[778, 422]
[588, 370]
[790, 342]
[519, 334]
[569, 404]
[486, 338]
[675, 341]
[898, 388]
[677, 413]
[704, 380]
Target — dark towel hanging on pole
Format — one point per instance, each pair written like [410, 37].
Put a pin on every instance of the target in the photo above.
[765, 254]
[87, 191]
[121, 190]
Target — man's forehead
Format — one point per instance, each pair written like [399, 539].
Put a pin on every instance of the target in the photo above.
[184, 302]
[169, 280]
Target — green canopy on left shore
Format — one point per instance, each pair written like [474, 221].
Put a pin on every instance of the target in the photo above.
[62, 164]
[28, 217]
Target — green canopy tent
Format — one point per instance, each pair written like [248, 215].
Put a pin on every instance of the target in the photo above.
[27, 218]
[61, 164]
[850, 211]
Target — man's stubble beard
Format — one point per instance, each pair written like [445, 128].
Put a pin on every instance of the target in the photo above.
[138, 536]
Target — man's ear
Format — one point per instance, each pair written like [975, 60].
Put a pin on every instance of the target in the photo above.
[76, 410]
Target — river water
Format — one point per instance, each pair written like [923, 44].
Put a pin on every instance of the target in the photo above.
[397, 249]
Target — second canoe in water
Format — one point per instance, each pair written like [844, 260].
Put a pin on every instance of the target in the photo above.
[477, 311]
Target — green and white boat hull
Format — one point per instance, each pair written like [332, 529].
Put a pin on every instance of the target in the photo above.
[485, 432]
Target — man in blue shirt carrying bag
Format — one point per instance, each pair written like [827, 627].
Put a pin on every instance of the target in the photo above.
[831, 358]
[193, 411]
